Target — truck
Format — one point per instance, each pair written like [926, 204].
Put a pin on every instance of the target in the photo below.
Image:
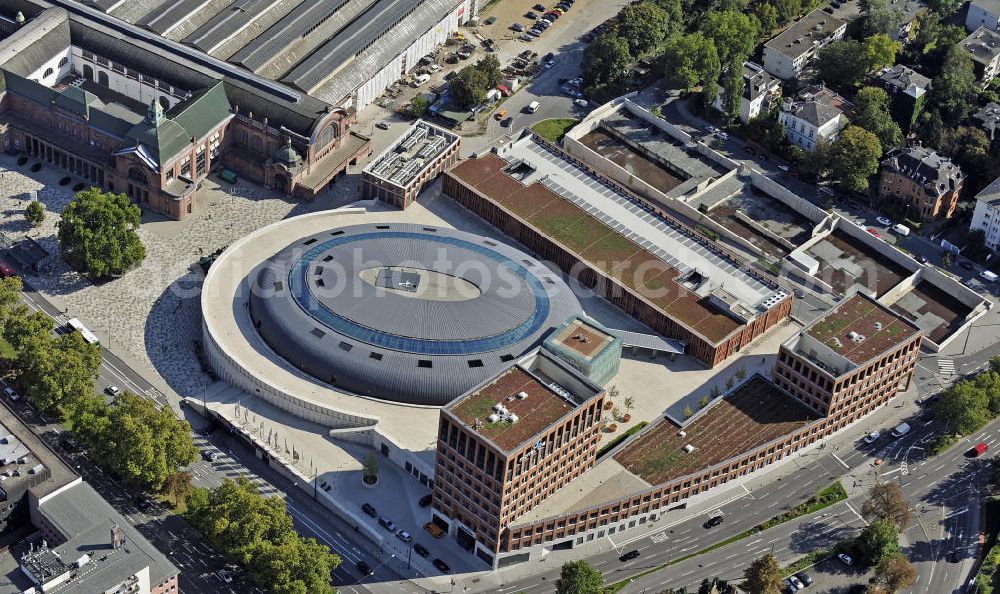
[988, 276]
[533, 107]
[901, 229]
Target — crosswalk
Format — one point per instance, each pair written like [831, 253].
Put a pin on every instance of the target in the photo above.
[946, 366]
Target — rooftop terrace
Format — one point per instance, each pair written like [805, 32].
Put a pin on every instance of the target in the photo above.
[754, 414]
[669, 268]
[583, 339]
[533, 404]
[859, 329]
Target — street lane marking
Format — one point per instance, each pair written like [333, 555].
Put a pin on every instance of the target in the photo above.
[837, 458]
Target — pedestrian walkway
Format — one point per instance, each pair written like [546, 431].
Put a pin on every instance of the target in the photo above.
[946, 366]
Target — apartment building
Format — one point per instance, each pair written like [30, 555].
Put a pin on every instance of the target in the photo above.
[924, 182]
[788, 53]
[986, 216]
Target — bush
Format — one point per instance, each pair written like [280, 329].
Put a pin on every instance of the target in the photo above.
[708, 232]
[36, 167]
[64, 181]
[614, 442]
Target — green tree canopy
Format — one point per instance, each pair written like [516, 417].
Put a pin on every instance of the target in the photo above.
[872, 104]
[733, 86]
[854, 157]
[55, 372]
[879, 17]
[878, 541]
[886, 502]
[767, 17]
[965, 407]
[734, 33]
[35, 213]
[880, 50]
[469, 87]
[842, 63]
[606, 61]
[490, 66]
[895, 574]
[689, 60]
[763, 576]
[787, 10]
[954, 87]
[98, 233]
[578, 577]
[644, 26]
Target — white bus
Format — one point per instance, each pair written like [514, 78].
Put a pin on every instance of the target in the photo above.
[87, 335]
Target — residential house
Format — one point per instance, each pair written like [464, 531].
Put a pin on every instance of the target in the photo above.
[983, 46]
[925, 182]
[787, 53]
[983, 13]
[817, 114]
[986, 216]
[760, 91]
[907, 92]
[989, 119]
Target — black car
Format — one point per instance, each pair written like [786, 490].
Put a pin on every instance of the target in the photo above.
[530, 15]
[425, 500]
[922, 259]
[420, 550]
[369, 509]
[966, 265]
[506, 122]
[441, 566]
[804, 578]
[539, 7]
[713, 522]
[364, 569]
[633, 554]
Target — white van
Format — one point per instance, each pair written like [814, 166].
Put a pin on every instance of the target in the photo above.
[421, 79]
[988, 276]
[900, 430]
[901, 229]
[533, 107]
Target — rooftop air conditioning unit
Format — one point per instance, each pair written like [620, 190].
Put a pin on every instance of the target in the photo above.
[512, 418]
[492, 418]
[522, 395]
[682, 433]
[878, 325]
[689, 448]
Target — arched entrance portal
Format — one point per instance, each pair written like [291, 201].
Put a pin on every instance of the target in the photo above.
[88, 72]
[281, 183]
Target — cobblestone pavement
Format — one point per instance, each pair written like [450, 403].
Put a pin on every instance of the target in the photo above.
[151, 315]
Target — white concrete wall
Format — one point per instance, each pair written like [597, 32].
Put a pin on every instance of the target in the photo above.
[787, 197]
[990, 226]
[980, 16]
[58, 72]
[143, 92]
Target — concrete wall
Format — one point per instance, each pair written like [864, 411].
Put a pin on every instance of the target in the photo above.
[764, 231]
[786, 196]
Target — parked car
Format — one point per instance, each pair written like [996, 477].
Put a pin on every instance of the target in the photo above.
[112, 391]
[884, 221]
[5, 269]
[506, 122]
[426, 500]
[795, 582]
[435, 530]
[382, 126]
[874, 233]
[790, 587]
[713, 522]
[539, 7]
[10, 393]
[363, 569]
[724, 135]
[441, 566]
[900, 430]
[404, 536]
[517, 27]
[845, 559]
[530, 15]
[225, 575]
[633, 554]
[387, 523]
[783, 168]
[872, 437]
[804, 578]
[369, 509]
[420, 550]
[581, 102]
[922, 259]
[210, 455]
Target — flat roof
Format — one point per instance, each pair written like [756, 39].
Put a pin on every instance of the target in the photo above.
[755, 414]
[540, 409]
[596, 232]
[17, 432]
[860, 329]
[404, 160]
[583, 339]
[983, 45]
[800, 36]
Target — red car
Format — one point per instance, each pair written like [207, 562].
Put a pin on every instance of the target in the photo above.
[5, 269]
[979, 450]
[875, 233]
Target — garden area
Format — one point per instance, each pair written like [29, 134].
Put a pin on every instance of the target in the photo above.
[554, 129]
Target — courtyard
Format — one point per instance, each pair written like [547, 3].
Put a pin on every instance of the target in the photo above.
[848, 266]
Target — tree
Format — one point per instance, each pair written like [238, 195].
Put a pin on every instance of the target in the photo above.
[954, 87]
[578, 577]
[98, 233]
[178, 485]
[964, 407]
[763, 576]
[872, 105]
[886, 502]
[491, 67]
[878, 540]
[644, 26]
[945, 7]
[842, 63]
[22, 327]
[855, 158]
[895, 573]
[816, 163]
[606, 61]
[879, 18]
[55, 372]
[469, 87]
[734, 33]
[767, 16]
[419, 106]
[732, 90]
[787, 10]
[689, 60]
[703, 402]
[35, 213]
[880, 50]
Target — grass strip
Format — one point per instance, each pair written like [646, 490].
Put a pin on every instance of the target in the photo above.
[614, 442]
[554, 129]
[823, 499]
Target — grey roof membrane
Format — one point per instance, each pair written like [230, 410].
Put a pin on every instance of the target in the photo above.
[317, 304]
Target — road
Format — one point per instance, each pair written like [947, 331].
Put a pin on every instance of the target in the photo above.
[198, 562]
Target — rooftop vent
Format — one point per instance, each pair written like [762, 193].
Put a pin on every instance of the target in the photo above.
[492, 418]
[512, 418]
[522, 395]
[682, 434]
[689, 448]
[837, 343]
[878, 325]
[855, 337]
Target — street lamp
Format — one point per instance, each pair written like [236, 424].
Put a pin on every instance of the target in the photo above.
[393, 556]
